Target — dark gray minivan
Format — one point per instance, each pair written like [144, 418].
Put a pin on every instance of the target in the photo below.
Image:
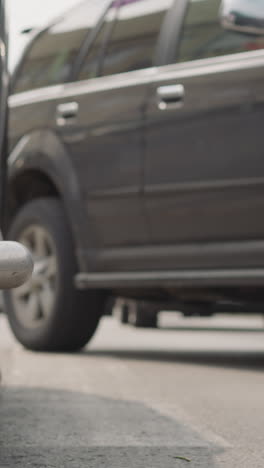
[136, 163]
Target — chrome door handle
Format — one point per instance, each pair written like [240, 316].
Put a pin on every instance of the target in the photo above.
[170, 97]
[66, 113]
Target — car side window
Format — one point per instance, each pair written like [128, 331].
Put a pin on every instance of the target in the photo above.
[127, 40]
[91, 64]
[204, 37]
[50, 58]
[133, 40]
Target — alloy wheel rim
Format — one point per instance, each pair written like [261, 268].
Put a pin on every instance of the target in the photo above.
[33, 301]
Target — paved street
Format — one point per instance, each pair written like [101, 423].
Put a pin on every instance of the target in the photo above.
[138, 398]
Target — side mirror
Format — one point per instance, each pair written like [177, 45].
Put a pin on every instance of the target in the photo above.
[16, 264]
[243, 16]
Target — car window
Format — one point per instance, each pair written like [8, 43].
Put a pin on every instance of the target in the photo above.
[52, 53]
[91, 63]
[133, 41]
[203, 36]
[127, 39]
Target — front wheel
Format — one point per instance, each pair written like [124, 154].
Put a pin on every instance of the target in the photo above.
[47, 313]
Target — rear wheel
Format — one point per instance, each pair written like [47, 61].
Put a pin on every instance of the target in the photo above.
[121, 310]
[48, 313]
[142, 315]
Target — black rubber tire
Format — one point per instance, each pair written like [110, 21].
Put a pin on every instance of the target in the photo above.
[142, 316]
[76, 314]
[122, 313]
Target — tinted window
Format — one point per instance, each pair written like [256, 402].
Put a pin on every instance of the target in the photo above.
[128, 38]
[91, 64]
[204, 37]
[133, 41]
[51, 56]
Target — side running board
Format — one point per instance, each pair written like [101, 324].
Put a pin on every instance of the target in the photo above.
[184, 278]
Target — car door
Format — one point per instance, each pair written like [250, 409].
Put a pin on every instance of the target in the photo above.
[105, 137]
[204, 165]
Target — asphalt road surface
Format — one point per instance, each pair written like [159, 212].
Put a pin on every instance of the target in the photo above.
[138, 398]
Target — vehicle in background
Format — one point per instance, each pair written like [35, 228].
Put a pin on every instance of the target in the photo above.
[136, 165]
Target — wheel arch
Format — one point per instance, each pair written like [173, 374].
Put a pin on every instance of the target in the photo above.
[27, 185]
[38, 166]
